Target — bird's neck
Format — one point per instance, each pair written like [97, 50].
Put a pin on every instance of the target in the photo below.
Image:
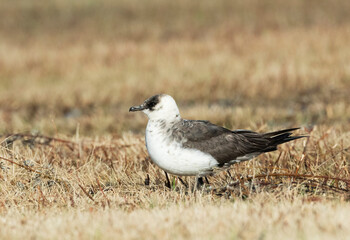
[164, 122]
[162, 125]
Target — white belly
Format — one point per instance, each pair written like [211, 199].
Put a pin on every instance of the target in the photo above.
[171, 157]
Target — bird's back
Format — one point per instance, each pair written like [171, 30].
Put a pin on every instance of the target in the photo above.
[228, 146]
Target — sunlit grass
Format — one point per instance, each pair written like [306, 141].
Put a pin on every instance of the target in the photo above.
[70, 71]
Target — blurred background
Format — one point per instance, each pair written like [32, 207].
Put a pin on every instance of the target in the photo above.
[243, 64]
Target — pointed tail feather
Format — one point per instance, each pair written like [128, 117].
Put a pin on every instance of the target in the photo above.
[287, 139]
[272, 134]
[280, 137]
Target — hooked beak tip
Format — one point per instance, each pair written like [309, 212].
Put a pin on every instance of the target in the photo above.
[136, 108]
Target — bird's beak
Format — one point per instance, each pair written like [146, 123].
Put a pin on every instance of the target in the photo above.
[137, 108]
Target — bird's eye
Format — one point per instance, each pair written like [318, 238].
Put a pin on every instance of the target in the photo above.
[152, 102]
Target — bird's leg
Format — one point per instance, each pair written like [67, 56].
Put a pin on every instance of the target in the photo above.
[167, 183]
[183, 182]
[200, 182]
[206, 179]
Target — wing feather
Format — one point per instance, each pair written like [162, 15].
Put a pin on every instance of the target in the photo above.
[225, 145]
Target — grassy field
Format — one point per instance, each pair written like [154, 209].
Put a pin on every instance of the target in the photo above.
[73, 161]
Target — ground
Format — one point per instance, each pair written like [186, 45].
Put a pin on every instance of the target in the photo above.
[73, 161]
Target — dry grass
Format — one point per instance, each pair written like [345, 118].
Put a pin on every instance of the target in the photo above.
[71, 71]
[50, 81]
[98, 188]
[295, 219]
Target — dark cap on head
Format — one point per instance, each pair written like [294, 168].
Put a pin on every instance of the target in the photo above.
[149, 104]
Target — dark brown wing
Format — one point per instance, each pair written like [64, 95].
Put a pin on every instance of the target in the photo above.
[197, 130]
[226, 145]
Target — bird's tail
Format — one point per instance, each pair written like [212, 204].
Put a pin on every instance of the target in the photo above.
[278, 137]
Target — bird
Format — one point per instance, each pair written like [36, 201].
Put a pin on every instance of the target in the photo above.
[197, 147]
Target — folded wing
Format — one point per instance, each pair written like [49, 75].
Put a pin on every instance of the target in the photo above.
[227, 146]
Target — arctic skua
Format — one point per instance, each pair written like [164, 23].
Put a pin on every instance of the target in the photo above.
[196, 147]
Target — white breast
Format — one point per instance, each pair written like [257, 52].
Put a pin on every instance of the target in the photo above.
[170, 156]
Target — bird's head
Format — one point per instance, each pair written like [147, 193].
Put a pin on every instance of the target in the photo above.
[159, 107]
